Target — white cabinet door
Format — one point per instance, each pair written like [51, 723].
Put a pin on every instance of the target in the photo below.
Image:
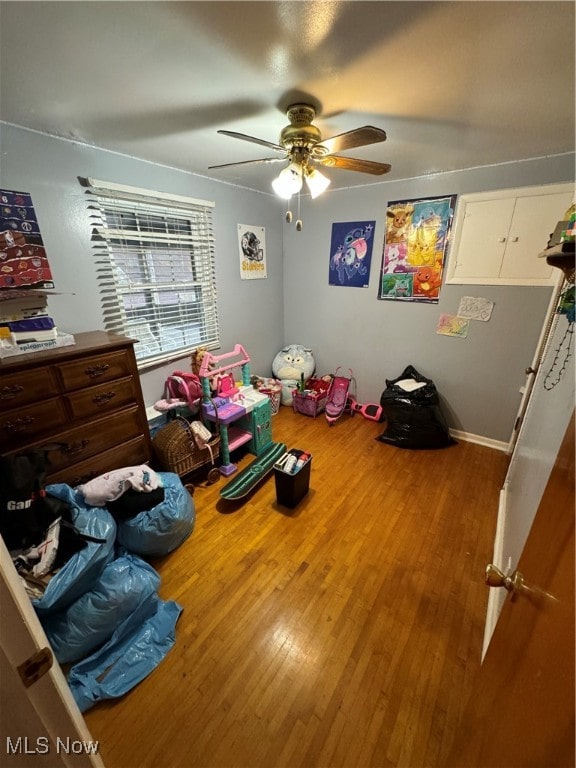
[533, 220]
[498, 235]
[483, 238]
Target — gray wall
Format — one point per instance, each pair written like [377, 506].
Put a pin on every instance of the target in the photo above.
[250, 311]
[478, 378]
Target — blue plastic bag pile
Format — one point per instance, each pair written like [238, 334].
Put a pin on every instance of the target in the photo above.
[101, 611]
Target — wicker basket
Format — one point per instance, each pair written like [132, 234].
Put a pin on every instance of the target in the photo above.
[176, 451]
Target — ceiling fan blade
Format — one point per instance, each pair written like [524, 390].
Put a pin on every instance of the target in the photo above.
[250, 162]
[360, 137]
[253, 139]
[354, 164]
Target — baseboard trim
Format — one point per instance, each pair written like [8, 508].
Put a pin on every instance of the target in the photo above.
[468, 437]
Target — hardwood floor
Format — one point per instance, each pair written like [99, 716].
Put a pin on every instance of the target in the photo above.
[346, 632]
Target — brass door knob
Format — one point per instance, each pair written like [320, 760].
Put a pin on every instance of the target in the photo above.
[496, 578]
[515, 584]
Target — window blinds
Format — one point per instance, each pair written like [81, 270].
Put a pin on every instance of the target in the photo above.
[155, 266]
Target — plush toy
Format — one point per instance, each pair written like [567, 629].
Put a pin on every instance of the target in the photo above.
[289, 365]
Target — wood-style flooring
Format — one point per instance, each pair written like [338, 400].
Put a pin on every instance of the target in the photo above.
[346, 632]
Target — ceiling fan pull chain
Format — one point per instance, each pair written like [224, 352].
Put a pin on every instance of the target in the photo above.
[299, 220]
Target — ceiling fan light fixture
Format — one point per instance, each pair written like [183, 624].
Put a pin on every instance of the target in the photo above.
[288, 182]
[316, 182]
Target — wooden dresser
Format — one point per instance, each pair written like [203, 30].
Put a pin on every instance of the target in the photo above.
[83, 403]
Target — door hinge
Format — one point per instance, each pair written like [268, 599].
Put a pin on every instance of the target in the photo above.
[35, 667]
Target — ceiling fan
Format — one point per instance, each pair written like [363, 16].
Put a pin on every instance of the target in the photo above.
[301, 144]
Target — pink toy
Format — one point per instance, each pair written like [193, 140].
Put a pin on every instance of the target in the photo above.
[338, 396]
[219, 368]
[370, 411]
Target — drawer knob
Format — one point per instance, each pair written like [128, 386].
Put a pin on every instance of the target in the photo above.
[93, 371]
[76, 448]
[104, 398]
[8, 393]
[19, 425]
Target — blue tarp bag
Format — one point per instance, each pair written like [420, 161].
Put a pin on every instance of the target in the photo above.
[91, 620]
[157, 531]
[134, 650]
[82, 570]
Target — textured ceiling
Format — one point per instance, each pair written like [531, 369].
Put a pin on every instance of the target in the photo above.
[454, 85]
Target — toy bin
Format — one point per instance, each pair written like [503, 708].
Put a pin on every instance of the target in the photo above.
[308, 403]
[292, 486]
[274, 392]
[272, 388]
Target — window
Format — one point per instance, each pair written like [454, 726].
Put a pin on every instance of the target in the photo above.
[155, 267]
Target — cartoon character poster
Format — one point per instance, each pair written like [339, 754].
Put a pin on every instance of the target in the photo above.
[252, 249]
[23, 260]
[351, 253]
[415, 244]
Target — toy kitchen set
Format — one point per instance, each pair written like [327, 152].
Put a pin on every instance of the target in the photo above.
[240, 413]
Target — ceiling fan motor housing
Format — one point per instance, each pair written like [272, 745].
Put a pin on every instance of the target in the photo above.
[300, 132]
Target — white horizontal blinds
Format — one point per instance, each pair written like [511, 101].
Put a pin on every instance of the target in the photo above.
[155, 267]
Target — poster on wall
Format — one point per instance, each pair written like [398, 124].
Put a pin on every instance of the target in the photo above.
[351, 253]
[252, 249]
[415, 245]
[23, 260]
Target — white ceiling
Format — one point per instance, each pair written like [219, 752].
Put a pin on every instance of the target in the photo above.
[454, 84]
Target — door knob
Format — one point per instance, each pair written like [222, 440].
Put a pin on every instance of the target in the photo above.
[496, 578]
[515, 584]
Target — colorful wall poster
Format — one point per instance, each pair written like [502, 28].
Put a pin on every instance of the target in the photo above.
[415, 245]
[351, 253]
[252, 250]
[23, 260]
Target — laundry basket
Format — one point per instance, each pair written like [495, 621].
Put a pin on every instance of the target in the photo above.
[272, 388]
[274, 392]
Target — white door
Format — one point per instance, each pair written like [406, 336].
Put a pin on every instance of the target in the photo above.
[550, 322]
[41, 724]
[521, 708]
[545, 421]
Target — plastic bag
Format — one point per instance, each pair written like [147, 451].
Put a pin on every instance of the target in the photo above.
[81, 571]
[135, 649]
[412, 409]
[24, 517]
[157, 531]
[91, 620]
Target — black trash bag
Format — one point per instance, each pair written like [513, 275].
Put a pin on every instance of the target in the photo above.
[414, 418]
[24, 515]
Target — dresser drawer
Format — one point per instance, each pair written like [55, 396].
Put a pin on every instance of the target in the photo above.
[27, 423]
[105, 397]
[94, 369]
[75, 445]
[26, 387]
[128, 454]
